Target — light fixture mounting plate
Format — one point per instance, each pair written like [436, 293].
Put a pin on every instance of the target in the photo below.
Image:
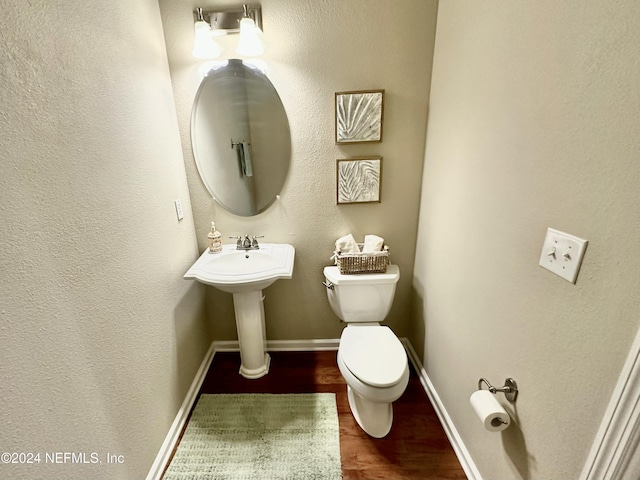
[228, 21]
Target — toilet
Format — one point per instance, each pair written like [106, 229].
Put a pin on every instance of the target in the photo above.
[371, 359]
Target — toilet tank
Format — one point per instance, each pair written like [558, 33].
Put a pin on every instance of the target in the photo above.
[362, 297]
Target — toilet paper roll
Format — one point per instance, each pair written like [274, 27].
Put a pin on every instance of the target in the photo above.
[493, 416]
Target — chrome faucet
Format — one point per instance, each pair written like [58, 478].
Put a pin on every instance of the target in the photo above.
[247, 243]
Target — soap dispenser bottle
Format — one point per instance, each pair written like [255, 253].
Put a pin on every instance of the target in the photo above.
[215, 244]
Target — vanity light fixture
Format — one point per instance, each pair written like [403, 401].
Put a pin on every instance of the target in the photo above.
[247, 21]
[204, 46]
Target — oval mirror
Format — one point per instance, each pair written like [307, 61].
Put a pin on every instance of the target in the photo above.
[240, 137]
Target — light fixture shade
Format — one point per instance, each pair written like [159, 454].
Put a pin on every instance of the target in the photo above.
[204, 46]
[249, 44]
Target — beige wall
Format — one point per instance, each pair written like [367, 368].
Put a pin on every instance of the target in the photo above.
[100, 336]
[533, 123]
[314, 49]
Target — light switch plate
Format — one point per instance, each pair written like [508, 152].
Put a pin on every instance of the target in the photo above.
[562, 254]
[179, 211]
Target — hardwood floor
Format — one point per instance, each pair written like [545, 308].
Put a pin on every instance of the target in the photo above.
[416, 447]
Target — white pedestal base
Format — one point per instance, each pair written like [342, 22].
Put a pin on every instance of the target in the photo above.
[252, 335]
[257, 372]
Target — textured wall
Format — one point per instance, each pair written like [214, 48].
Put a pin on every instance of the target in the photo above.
[534, 115]
[314, 49]
[100, 336]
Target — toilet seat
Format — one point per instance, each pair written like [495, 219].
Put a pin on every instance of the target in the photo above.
[373, 354]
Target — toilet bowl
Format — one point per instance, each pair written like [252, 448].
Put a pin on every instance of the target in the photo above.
[374, 364]
[371, 359]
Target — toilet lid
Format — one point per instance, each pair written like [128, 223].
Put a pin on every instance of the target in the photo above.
[373, 354]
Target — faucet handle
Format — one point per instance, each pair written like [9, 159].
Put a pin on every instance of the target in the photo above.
[239, 240]
[254, 240]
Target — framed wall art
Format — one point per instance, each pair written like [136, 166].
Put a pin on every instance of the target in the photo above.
[359, 116]
[358, 180]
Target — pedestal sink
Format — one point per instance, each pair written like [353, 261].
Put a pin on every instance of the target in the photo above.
[245, 273]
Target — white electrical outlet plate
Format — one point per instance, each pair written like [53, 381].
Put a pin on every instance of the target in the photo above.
[562, 254]
[179, 211]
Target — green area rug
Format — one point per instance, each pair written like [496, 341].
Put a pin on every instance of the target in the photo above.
[260, 436]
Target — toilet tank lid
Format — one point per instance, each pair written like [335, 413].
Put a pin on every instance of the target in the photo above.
[373, 354]
[334, 276]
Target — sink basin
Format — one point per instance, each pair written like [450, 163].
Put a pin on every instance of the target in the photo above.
[244, 273]
[236, 271]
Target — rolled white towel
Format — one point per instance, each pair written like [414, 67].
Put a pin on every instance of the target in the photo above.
[347, 244]
[372, 243]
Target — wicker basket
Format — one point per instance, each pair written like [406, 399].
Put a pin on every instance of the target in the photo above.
[352, 263]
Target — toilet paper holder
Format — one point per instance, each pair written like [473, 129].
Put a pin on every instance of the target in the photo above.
[510, 388]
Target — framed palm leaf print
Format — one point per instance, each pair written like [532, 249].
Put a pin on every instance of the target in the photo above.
[359, 116]
[358, 180]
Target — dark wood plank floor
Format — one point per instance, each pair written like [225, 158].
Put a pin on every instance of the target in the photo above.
[416, 447]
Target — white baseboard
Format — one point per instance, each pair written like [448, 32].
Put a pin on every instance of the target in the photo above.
[284, 345]
[170, 441]
[155, 473]
[464, 457]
